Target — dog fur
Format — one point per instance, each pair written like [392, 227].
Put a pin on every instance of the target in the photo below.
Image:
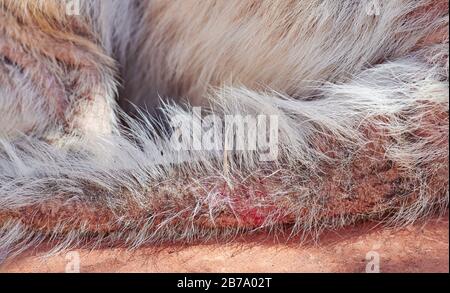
[362, 101]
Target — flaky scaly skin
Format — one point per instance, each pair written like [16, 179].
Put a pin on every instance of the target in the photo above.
[361, 96]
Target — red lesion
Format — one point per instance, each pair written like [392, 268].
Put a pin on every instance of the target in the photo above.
[251, 202]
